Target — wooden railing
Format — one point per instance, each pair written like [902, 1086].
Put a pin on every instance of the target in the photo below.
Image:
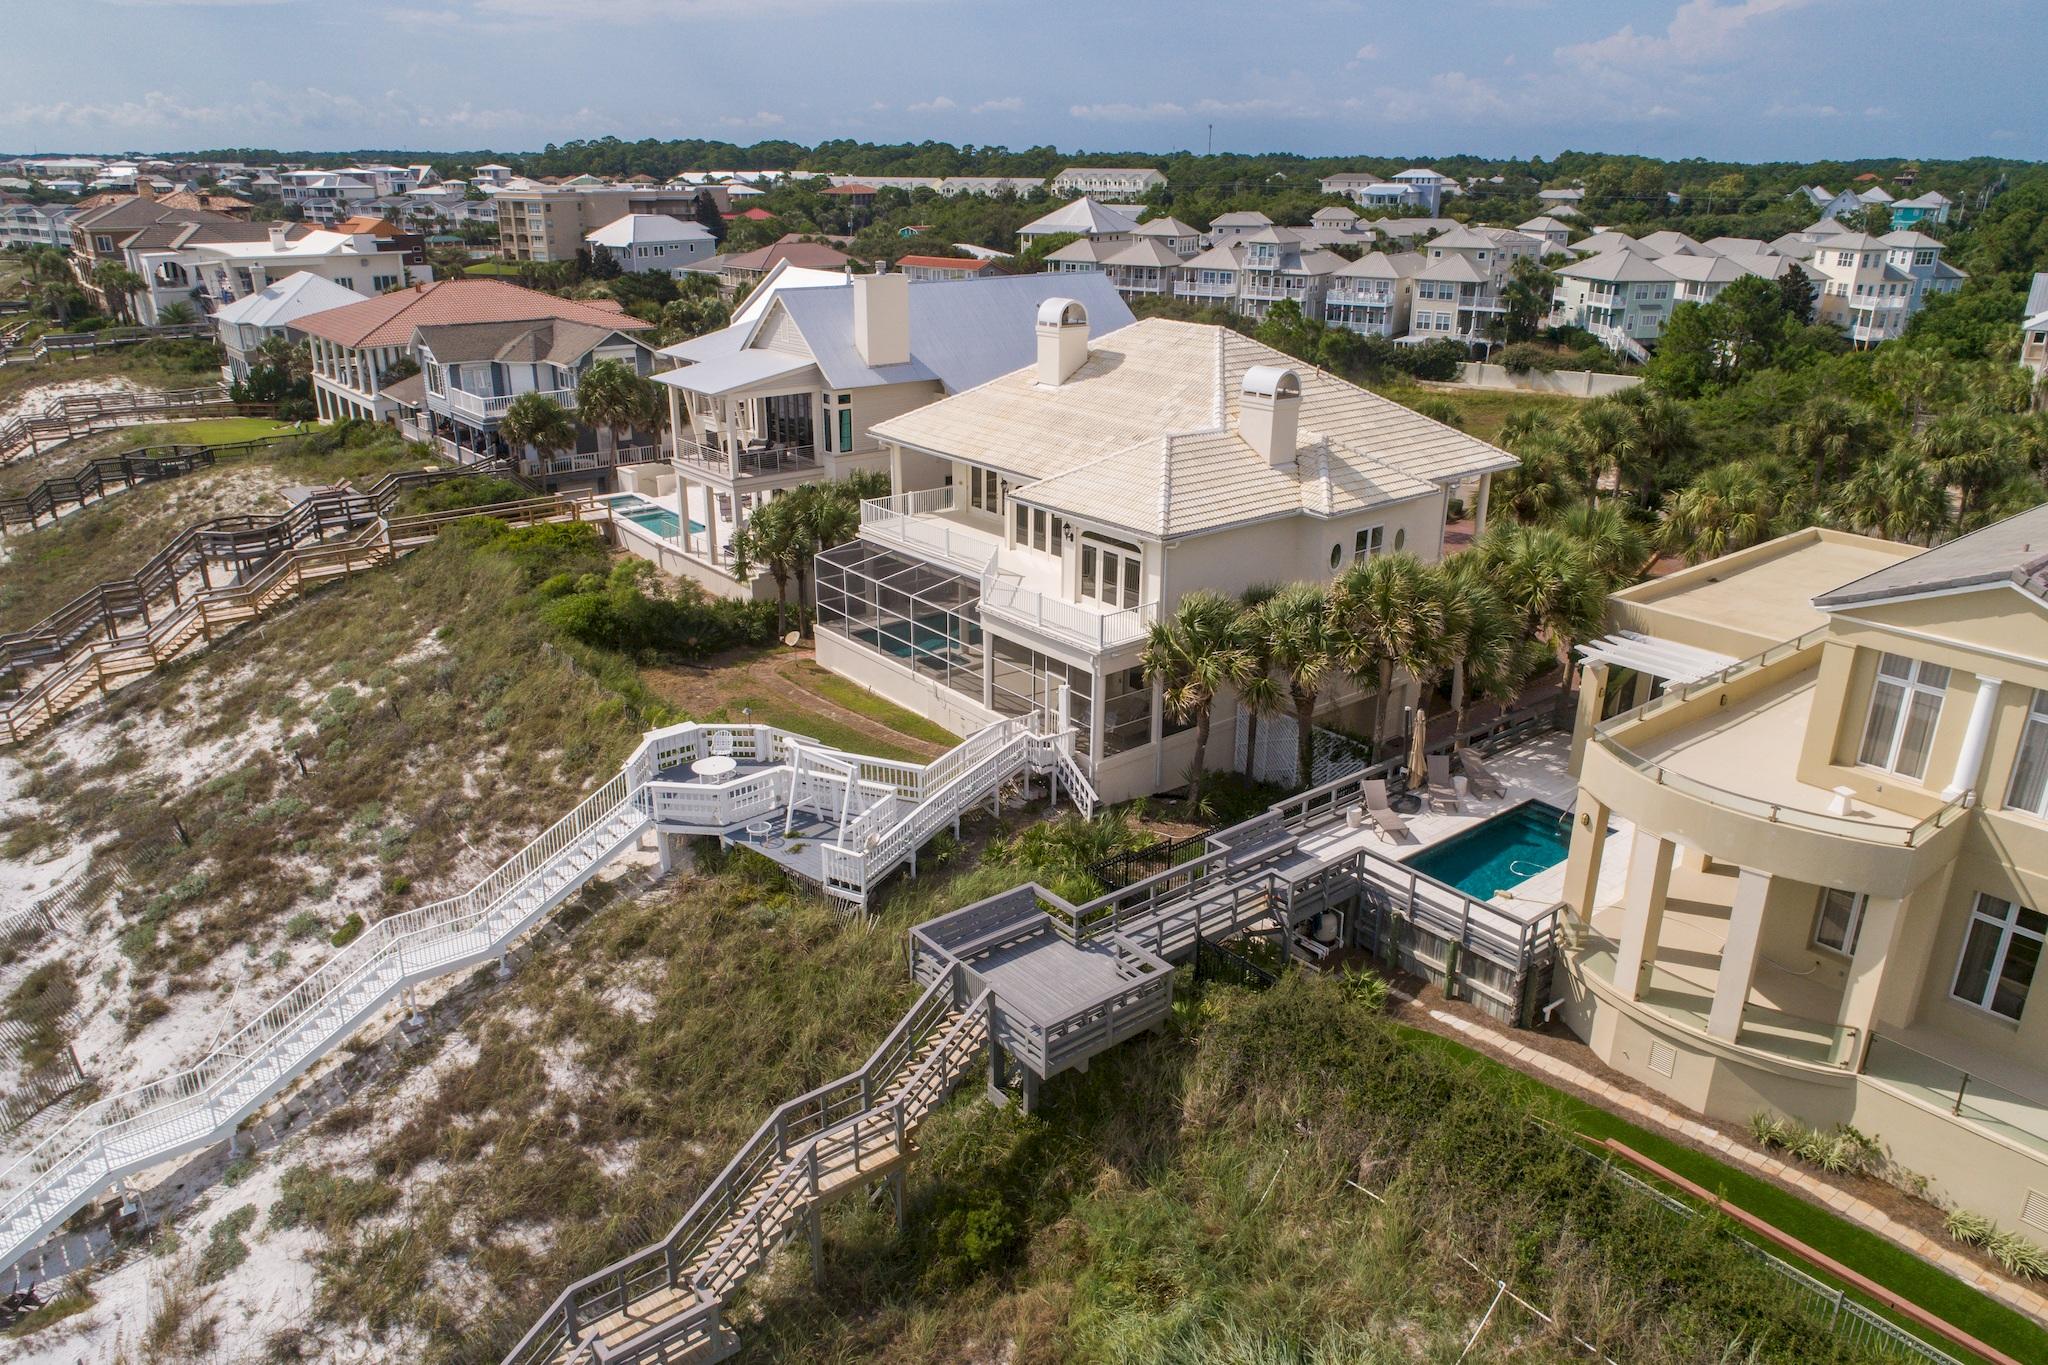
[847, 1130]
[112, 473]
[84, 414]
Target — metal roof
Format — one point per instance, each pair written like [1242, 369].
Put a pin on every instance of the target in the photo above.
[297, 295]
[2013, 551]
[740, 370]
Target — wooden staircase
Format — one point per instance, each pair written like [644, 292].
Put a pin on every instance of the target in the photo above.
[664, 1305]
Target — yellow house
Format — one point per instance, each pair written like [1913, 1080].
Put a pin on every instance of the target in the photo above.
[1810, 848]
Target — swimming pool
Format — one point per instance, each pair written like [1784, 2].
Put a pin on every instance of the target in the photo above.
[655, 518]
[1502, 852]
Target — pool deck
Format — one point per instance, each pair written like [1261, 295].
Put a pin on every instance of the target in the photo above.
[1536, 771]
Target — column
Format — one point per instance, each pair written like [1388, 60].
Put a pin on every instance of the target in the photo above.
[1739, 953]
[1582, 864]
[1592, 688]
[1970, 758]
[1479, 504]
[1882, 919]
[1649, 882]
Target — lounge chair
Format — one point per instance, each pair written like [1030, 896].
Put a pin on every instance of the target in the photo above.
[1385, 819]
[1442, 792]
[1479, 779]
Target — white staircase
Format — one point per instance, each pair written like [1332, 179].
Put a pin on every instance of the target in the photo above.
[136, 1130]
[899, 807]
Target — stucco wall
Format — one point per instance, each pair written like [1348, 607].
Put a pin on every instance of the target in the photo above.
[1572, 383]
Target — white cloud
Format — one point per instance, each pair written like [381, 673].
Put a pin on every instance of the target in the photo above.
[1008, 104]
[1156, 109]
[761, 119]
[1370, 52]
[1700, 31]
[937, 104]
[1782, 110]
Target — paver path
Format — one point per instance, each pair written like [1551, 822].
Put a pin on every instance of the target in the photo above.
[1639, 1108]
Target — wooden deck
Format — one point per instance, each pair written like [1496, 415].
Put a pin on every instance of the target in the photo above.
[1048, 976]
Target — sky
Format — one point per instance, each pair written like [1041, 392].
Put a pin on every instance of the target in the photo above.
[1724, 79]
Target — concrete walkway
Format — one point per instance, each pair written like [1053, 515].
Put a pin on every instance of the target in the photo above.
[1649, 1113]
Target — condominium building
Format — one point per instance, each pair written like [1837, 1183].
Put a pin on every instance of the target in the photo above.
[1861, 291]
[1810, 847]
[213, 273]
[1621, 296]
[792, 391]
[23, 224]
[540, 222]
[1458, 289]
[1043, 520]
[356, 348]
[1121, 181]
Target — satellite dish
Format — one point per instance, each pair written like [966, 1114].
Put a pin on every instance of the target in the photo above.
[792, 638]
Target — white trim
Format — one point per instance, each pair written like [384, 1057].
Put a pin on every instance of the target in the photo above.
[2008, 927]
[1847, 608]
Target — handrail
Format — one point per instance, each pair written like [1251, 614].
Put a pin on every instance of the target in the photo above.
[1607, 733]
[750, 1163]
[109, 473]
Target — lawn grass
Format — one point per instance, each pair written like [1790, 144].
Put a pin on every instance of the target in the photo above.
[851, 695]
[207, 431]
[786, 713]
[1481, 412]
[1854, 1246]
[505, 269]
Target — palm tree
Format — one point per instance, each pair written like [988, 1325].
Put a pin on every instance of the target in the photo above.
[776, 537]
[175, 315]
[828, 514]
[1550, 584]
[1831, 436]
[1730, 507]
[1618, 547]
[1974, 452]
[1193, 654]
[1385, 616]
[1602, 435]
[534, 419]
[1486, 656]
[1897, 496]
[117, 285]
[1665, 439]
[1301, 646]
[610, 397]
[1258, 692]
[1543, 485]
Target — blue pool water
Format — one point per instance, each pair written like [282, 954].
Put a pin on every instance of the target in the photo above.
[659, 520]
[1504, 851]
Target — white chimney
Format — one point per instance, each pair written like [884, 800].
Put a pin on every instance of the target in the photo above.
[881, 317]
[1269, 412]
[1062, 340]
[278, 233]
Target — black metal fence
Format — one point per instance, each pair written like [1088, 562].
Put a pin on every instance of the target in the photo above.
[1119, 870]
[1214, 962]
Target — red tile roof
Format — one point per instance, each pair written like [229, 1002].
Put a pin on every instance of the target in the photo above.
[848, 189]
[758, 215]
[389, 319]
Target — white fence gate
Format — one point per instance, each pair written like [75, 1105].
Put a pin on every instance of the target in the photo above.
[1333, 755]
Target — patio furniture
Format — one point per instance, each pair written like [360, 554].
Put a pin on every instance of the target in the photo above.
[763, 832]
[1386, 822]
[1442, 793]
[721, 742]
[715, 766]
[1479, 777]
[1840, 805]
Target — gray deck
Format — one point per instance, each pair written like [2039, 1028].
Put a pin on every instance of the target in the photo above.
[1045, 975]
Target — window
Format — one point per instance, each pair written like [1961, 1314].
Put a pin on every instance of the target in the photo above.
[1112, 572]
[2000, 952]
[2030, 770]
[384, 282]
[845, 426]
[345, 281]
[1838, 921]
[1369, 541]
[985, 487]
[1905, 704]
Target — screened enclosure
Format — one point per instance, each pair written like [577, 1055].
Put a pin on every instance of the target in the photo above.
[916, 613]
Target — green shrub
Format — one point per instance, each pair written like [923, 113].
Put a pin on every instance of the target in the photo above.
[351, 929]
[1970, 1228]
[2018, 1255]
[225, 1248]
[1523, 356]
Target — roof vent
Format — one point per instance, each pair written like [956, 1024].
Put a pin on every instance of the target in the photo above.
[1269, 412]
[1062, 340]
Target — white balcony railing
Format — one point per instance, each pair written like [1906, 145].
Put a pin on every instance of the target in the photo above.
[490, 407]
[917, 522]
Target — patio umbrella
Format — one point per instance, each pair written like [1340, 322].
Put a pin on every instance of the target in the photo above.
[1418, 749]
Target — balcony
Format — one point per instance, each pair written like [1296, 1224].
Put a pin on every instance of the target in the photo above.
[755, 458]
[1715, 763]
[487, 407]
[1017, 586]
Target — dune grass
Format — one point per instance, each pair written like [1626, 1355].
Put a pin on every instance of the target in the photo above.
[1481, 412]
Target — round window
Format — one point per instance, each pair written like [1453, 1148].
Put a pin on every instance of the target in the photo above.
[1400, 537]
[1336, 554]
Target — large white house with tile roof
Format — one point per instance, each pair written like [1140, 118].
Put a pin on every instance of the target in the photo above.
[1084, 217]
[1043, 520]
